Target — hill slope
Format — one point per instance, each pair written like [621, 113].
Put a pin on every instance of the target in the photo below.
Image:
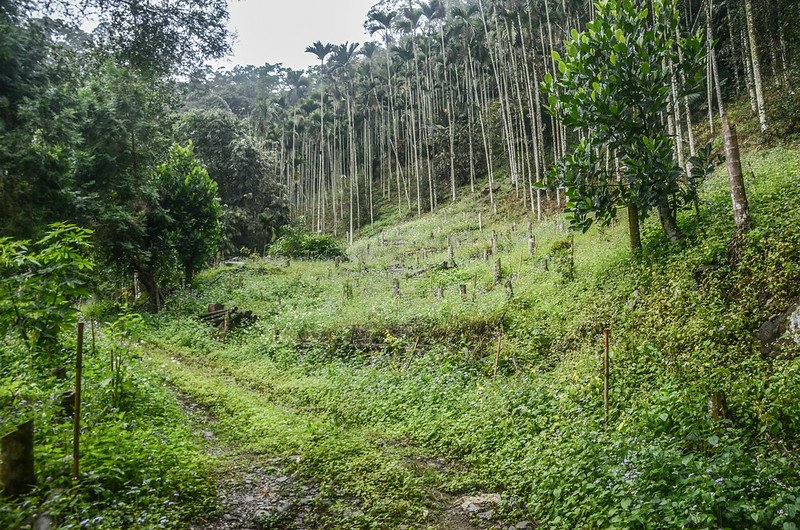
[399, 406]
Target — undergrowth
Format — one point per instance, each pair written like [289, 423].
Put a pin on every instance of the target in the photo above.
[371, 388]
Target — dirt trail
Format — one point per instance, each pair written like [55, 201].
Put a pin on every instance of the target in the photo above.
[253, 491]
[256, 492]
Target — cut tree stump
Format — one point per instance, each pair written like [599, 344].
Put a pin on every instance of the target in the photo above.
[17, 475]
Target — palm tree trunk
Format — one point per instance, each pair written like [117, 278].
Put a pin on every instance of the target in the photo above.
[751, 33]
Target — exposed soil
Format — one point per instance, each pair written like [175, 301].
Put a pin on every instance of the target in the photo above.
[253, 492]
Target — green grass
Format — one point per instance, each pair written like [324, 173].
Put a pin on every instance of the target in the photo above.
[337, 380]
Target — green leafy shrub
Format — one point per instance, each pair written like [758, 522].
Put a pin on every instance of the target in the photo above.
[40, 283]
[300, 244]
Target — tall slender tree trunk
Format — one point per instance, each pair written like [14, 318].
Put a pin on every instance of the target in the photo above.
[634, 228]
[748, 73]
[741, 209]
[751, 33]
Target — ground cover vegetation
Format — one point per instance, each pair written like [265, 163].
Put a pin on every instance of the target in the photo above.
[371, 389]
[422, 242]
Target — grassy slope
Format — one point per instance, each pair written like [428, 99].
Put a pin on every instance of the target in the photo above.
[372, 424]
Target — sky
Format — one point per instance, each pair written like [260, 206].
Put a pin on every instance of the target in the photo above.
[278, 31]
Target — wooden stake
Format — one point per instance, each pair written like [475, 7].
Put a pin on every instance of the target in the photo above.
[411, 354]
[498, 271]
[497, 355]
[76, 425]
[606, 374]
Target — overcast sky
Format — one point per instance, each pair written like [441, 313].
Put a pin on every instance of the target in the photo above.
[278, 31]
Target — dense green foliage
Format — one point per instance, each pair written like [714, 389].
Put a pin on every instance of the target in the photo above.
[298, 243]
[130, 476]
[39, 284]
[88, 121]
[254, 203]
[615, 80]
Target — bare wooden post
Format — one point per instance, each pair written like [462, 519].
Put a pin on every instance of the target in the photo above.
[76, 424]
[497, 355]
[718, 405]
[531, 245]
[494, 242]
[463, 289]
[17, 474]
[498, 271]
[396, 287]
[474, 285]
[485, 254]
[572, 252]
[450, 258]
[606, 374]
[94, 338]
[480, 222]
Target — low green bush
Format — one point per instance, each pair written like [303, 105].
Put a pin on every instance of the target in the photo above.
[300, 244]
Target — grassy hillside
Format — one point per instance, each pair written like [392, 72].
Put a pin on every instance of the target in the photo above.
[394, 408]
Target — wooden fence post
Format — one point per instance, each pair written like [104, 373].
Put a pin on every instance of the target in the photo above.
[450, 255]
[606, 374]
[76, 424]
[497, 355]
[498, 271]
